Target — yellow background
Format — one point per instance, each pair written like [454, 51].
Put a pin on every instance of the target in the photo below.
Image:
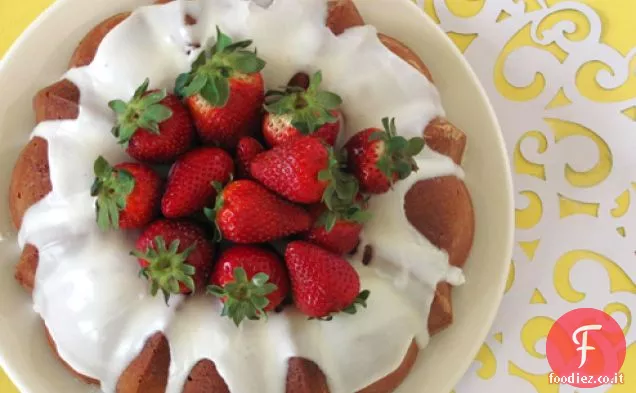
[618, 31]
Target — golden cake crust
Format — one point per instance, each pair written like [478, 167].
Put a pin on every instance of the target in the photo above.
[441, 209]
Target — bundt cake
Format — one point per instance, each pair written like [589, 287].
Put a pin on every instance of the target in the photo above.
[100, 318]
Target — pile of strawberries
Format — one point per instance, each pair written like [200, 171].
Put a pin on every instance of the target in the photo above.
[258, 207]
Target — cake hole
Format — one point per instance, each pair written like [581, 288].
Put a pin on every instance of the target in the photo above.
[189, 20]
[368, 255]
[19, 195]
[300, 80]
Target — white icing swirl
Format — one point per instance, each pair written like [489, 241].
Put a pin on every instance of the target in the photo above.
[98, 310]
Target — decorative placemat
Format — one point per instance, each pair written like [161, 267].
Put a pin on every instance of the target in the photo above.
[561, 76]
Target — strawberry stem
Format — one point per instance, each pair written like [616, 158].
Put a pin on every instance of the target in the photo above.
[167, 267]
[143, 111]
[309, 108]
[341, 193]
[244, 298]
[212, 70]
[397, 158]
[112, 188]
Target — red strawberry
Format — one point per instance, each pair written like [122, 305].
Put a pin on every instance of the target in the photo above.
[128, 194]
[337, 230]
[224, 91]
[246, 150]
[322, 283]
[298, 111]
[154, 126]
[250, 281]
[247, 212]
[304, 170]
[175, 256]
[380, 158]
[189, 187]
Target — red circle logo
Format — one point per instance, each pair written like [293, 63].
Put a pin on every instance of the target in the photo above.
[586, 348]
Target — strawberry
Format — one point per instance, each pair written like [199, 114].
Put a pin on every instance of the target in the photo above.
[224, 91]
[154, 127]
[247, 212]
[322, 283]
[175, 256]
[128, 194]
[337, 230]
[189, 187]
[379, 158]
[298, 111]
[250, 281]
[246, 150]
[305, 170]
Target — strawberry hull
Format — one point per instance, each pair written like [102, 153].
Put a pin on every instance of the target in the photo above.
[176, 136]
[194, 250]
[254, 260]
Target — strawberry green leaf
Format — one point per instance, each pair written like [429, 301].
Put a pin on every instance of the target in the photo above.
[222, 40]
[244, 298]
[260, 279]
[309, 109]
[167, 267]
[199, 61]
[328, 100]
[152, 98]
[331, 222]
[361, 216]
[210, 93]
[248, 63]
[141, 90]
[329, 195]
[118, 106]
[239, 45]
[180, 83]
[143, 111]
[212, 71]
[397, 143]
[415, 146]
[304, 127]
[101, 167]
[360, 300]
[315, 80]
[111, 188]
[397, 157]
[157, 113]
[384, 165]
[198, 82]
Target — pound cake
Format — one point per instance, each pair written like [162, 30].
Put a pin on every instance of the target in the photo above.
[228, 196]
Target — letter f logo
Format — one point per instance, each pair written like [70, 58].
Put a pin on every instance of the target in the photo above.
[583, 344]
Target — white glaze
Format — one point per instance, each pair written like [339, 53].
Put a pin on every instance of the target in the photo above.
[87, 290]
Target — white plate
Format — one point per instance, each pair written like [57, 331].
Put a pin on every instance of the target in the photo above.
[40, 57]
